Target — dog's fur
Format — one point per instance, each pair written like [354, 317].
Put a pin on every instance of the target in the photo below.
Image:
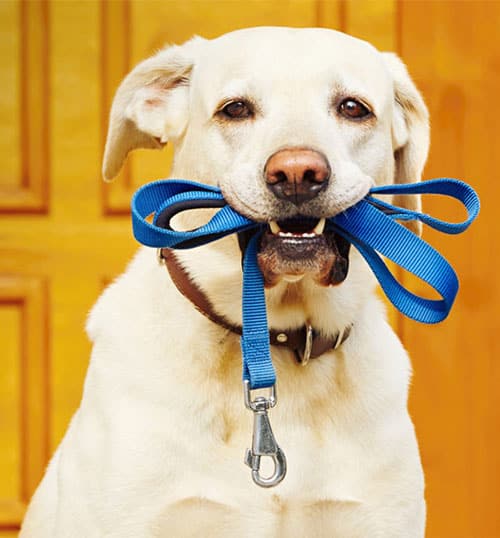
[156, 447]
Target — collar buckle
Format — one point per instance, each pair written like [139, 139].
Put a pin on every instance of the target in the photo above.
[304, 357]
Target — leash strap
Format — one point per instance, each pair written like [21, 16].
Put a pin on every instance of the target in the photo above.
[258, 368]
[370, 225]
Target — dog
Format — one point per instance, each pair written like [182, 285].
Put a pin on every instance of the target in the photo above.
[294, 125]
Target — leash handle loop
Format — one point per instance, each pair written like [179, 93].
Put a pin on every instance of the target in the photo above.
[371, 226]
[373, 234]
[449, 187]
[176, 196]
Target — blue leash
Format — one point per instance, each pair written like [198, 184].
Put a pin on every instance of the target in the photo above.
[370, 225]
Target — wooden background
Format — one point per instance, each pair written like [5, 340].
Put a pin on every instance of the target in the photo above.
[64, 234]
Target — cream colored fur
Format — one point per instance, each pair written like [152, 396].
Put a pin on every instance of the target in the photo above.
[156, 447]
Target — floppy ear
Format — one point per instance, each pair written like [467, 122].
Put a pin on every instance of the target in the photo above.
[151, 105]
[410, 133]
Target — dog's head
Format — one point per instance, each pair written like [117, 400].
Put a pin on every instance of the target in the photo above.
[294, 125]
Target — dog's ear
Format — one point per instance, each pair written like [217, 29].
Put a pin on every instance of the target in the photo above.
[151, 105]
[410, 133]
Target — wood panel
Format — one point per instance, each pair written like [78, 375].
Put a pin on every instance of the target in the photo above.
[10, 414]
[24, 176]
[23, 404]
[376, 22]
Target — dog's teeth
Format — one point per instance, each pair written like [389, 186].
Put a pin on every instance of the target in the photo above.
[318, 229]
[275, 229]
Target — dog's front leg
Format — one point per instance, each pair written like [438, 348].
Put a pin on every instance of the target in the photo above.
[85, 494]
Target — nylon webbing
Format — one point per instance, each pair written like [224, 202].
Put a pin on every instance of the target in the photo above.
[370, 225]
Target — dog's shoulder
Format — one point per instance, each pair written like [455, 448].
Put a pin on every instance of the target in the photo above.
[131, 296]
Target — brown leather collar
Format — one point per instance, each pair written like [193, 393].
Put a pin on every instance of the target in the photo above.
[305, 342]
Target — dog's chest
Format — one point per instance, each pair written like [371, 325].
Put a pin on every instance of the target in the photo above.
[266, 516]
[215, 495]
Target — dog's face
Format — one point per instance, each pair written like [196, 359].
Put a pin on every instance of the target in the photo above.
[294, 125]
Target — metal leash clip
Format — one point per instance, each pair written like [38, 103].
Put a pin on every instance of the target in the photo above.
[263, 441]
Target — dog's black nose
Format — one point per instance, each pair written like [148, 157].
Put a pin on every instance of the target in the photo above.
[297, 174]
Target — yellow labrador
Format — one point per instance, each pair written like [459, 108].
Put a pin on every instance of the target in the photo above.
[288, 122]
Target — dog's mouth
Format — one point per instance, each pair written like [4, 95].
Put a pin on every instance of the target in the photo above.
[293, 248]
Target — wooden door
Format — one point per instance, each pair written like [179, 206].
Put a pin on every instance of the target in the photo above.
[64, 234]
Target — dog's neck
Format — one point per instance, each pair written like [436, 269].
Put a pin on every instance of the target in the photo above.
[216, 269]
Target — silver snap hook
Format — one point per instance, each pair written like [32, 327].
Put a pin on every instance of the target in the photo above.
[263, 440]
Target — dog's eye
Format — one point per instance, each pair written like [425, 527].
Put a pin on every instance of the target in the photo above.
[353, 109]
[237, 110]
